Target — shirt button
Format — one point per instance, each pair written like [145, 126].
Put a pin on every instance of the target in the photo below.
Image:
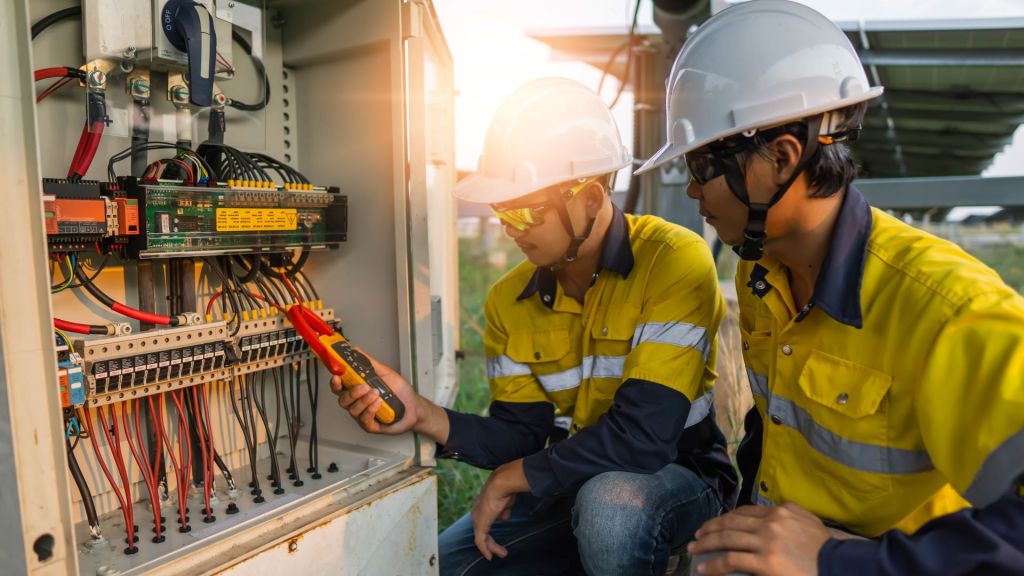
[546, 298]
[764, 486]
[842, 399]
[759, 284]
[604, 331]
[536, 355]
[746, 345]
[787, 349]
[776, 419]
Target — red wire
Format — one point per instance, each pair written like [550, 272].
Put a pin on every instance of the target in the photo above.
[115, 449]
[91, 146]
[54, 72]
[142, 461]
[150, 470]
[71, 326]
[188, 169]
[159, 437]
[291, 288]
[209, 430]
[83, 141]
[129, 527]
[209, 305]
[140, 315]
[203, 450]
[57, 85]
[174, 463]
[184, 444]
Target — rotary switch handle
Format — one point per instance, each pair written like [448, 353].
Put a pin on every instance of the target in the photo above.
[188, 25]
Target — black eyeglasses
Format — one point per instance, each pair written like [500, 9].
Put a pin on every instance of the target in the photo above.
[706, 166]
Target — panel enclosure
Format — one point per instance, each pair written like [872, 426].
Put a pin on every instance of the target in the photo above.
[361, 100]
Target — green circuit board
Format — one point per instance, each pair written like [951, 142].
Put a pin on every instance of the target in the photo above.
[225, 220]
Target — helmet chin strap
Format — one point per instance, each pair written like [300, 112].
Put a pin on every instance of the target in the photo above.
[576, 241]
[754, 235]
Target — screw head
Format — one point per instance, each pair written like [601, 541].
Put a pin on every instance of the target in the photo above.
[293, 545]
[97, 79]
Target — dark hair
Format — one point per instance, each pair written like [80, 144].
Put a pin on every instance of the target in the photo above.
[832, 167]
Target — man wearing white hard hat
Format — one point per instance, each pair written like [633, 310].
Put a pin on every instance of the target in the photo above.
[608, 330]
[886, 365]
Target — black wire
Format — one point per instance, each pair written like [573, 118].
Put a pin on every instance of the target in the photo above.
[47, 21]
[305, 279]
[261, 406]
[224, 470]
[245, 435]
[228, 294]
[293, 422]
[152, 145]
[288, 173]
[629, 57]
[92, 289]
[247, 411]
[103, 264]
[628, 44]
[260, 71]
[83, 487]
[313, 389]
[252, 269]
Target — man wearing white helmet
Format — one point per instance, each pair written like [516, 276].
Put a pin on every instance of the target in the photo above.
[609, 325]
[886, 364]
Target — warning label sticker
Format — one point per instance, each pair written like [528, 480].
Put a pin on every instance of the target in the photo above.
[256, 219]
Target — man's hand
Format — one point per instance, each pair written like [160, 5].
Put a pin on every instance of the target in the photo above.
[495, 503]
[363, 401]
[766, 541]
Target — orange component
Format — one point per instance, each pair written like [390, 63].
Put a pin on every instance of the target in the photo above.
[50, 209]
[127, 216]
[79, 216]
[62, 382]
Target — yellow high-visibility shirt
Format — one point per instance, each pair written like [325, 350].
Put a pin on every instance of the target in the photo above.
[897, 394]
[651, 314]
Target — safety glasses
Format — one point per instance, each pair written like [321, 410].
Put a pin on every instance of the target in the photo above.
[523, 218]
[706, 166]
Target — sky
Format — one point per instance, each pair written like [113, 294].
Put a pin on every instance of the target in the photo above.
[493, 54]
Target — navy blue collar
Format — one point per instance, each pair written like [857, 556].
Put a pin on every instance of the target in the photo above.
[617, 256]
[837, 290]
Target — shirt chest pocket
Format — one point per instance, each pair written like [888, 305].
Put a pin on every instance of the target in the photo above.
[615, 325]
[844, 415]
[611, 335]
[543, 354]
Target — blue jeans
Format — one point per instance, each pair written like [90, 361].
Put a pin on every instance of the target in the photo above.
[617, 523]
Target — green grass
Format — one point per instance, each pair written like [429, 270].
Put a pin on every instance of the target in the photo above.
[1007, 260]
[460, 483]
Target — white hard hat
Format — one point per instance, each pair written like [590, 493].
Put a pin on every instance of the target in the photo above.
[756, 65]
[548, 131]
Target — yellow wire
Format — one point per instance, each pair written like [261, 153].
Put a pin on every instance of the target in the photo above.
[70, 278]
[66, 339]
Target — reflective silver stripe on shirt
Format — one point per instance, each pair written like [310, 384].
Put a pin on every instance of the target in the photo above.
[680, 334]
[998, 472]
[700, 409]
[758, 383]
[591, 367]
[499, 366]
[857, 455]
[563, 422]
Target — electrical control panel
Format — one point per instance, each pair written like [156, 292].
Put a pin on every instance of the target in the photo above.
[180, 175]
